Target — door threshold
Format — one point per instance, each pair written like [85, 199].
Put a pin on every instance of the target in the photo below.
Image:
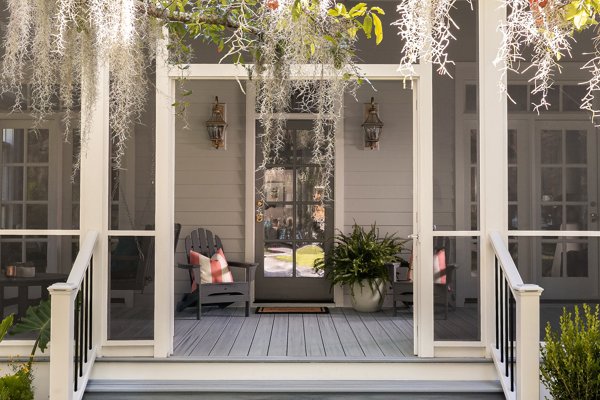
[292, 304]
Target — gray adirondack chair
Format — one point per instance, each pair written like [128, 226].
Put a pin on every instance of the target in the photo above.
[204, 242]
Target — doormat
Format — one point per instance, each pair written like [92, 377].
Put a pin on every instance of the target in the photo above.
[292, 310]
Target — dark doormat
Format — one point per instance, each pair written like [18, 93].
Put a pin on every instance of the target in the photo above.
[292, 310]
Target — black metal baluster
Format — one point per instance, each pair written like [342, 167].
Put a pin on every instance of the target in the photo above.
[75, 361]
[501, 288]
[506, 326]
[86, 300]
[81, 349]
[496, 297]
[91, 269]
[512, 343]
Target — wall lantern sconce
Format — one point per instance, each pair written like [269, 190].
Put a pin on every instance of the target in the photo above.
[216, 125]
[372, 126]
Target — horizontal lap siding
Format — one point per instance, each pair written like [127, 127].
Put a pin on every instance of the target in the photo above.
[210, 184]
[378, 184]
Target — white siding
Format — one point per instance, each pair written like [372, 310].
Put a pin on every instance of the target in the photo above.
[378, 183]
[209, 183]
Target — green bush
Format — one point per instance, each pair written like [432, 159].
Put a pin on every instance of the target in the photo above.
[17, 386]
[570, 366]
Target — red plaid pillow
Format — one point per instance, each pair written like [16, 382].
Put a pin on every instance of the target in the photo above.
[212, 270]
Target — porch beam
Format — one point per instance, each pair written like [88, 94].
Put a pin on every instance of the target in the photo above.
[164, 265]
[493, 201]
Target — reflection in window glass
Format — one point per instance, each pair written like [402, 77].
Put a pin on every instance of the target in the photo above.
[131, 288]
[456, 288]
[278, 260]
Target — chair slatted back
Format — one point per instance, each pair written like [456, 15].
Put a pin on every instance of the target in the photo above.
[202, 241]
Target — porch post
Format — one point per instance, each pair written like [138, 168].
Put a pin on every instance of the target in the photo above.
[493, 199]
[423, 215]
[165, 206]
[94, 198]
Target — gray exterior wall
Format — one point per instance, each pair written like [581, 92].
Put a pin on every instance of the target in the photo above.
[209, 184]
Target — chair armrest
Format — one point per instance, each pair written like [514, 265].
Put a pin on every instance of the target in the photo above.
[238, 264]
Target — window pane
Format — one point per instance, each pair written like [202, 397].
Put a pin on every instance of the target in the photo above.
[13, 145]
[551, 184]
[279, 259]
[38, 142]
[310, 224]
[12, 216]
[37, 216]
[571, 96]
[37, 183]
[40, 261]
[279, 185]
[576, 142]
[306, 255]
[131, 288]
[456, 288]
[518, 93]
[12, 183]
[552, 145]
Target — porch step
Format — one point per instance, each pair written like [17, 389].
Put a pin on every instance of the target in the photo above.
[293, 389]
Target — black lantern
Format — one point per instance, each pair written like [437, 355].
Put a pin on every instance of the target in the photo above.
[372, 126]
[216, 125]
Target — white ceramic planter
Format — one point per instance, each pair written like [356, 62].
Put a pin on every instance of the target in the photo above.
[365, 299]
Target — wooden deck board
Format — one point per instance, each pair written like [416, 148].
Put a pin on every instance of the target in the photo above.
[347, 338]
[212, 335]
[331, 341]
[229, 335]
[312, 336]
[364, 337]
[296, 342]
[243, 341]
[279, 336]
[262, 336]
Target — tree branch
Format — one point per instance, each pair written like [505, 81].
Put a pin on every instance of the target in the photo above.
[186, 18]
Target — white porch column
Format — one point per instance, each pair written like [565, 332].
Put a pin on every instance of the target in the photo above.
[493, 199]
[423, 217]
[164, 263]
[94, 198]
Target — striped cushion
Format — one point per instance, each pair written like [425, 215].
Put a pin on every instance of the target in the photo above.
[212, 270]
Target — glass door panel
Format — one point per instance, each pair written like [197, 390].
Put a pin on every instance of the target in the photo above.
[295, 223]
[566, 199]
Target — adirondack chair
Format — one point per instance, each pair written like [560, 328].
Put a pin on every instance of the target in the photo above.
[204, 242]
[444, 290]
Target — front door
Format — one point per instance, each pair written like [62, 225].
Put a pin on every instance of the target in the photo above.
[567, 199]
[294, 223]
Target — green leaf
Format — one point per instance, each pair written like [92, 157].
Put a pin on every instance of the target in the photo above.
[296, 9]
[333, 12]
[378, 10]
[37, 320]
[378, 29]
[358, 10]
[5, 325]
[368, 26]
[312, 49]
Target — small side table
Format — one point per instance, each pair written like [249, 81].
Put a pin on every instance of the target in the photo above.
[41, 280]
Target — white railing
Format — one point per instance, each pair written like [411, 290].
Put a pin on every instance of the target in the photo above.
[73, 346]
[517, 347]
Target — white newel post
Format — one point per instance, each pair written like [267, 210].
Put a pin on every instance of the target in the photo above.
[528, 342]
[62, 325]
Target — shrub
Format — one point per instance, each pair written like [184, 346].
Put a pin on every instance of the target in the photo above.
[17, 386]
[570, 367]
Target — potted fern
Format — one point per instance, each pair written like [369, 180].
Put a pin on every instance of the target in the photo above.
[359, 260]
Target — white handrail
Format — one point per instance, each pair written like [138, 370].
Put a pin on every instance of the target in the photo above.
[508, 266]
[83, 259]
[517, 332]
